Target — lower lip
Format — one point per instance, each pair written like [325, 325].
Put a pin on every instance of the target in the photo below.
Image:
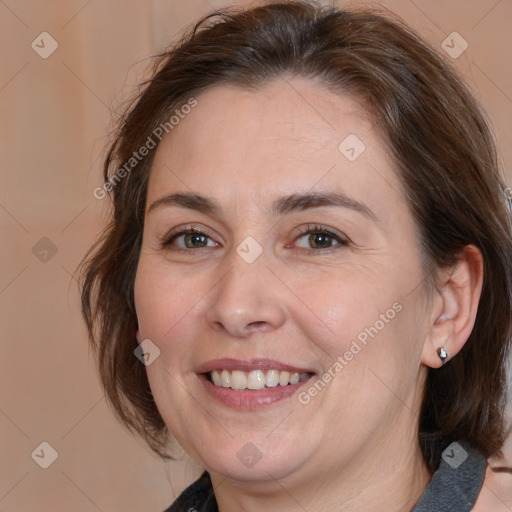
[249, 399]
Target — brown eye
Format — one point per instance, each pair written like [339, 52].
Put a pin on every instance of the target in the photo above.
[193, 240]
[320, 238]
[189, 239]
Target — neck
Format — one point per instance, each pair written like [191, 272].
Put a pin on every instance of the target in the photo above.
[393, 480]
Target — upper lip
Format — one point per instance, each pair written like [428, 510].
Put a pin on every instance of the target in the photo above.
[248, 365]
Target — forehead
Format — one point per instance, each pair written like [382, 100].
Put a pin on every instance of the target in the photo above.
[289, 134]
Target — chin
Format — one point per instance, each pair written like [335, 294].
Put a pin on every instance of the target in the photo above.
[257, 460]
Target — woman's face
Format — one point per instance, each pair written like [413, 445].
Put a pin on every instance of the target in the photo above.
[305, 265]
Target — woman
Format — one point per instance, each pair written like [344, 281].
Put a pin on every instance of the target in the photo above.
[307, 277]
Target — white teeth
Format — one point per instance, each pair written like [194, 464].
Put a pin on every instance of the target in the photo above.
[225, 379]
[255, 379]
[272, 379]
[238, 380]
[216, 378]
[284, 378]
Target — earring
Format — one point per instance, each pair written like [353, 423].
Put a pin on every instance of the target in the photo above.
[443, 355]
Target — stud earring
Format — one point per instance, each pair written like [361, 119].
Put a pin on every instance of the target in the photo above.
[443, 355]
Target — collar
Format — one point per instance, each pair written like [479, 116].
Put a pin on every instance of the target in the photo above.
[455, 486]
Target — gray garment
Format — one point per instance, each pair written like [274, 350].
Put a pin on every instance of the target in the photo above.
[456, 484]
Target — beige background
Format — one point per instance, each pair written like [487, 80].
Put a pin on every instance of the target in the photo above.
[55, 114]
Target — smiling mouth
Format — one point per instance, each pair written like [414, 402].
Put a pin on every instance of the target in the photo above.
[256, 379]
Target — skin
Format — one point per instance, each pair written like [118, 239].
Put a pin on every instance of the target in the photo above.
[496, 493]
[354, 445]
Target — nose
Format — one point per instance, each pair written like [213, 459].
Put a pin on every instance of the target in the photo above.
[247, 299]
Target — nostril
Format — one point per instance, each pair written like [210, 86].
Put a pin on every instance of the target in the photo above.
[257, 324]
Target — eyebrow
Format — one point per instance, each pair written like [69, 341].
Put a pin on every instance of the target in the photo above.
[191, 201]
[299, 202]
[282, 206]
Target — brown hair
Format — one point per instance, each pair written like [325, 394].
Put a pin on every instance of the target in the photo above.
[444, 153]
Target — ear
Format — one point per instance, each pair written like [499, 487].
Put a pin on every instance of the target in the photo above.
[137, 335]
[455, 304]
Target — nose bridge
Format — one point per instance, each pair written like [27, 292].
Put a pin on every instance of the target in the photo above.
[246, 297]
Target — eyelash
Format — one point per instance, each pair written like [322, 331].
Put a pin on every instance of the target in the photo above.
[310, 230]
[319, 230]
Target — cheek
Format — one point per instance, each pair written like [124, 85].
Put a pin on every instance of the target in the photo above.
[163, 301]
[341, 305]
[359, 319]
[164, 307]
[370, 368]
